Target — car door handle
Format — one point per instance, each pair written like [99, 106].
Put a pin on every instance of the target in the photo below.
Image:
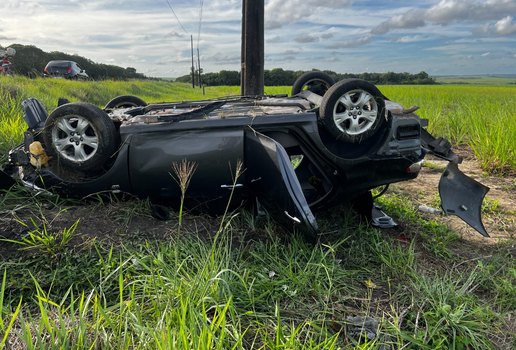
[232, 186]
[293, 218]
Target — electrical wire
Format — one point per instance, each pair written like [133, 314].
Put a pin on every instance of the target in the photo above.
[200, 23]
[178, 21]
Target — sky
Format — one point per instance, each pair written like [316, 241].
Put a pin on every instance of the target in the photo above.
[441, 37]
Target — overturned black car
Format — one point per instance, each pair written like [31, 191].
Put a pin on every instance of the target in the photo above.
[326, 144]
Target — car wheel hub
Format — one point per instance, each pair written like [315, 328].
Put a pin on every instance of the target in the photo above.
[355, 112]
[75, 138]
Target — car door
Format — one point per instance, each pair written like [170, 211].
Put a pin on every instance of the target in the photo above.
[273, 181]
[214, 152]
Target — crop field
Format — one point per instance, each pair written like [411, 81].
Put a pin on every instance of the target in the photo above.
[477, 80]
[102, 273]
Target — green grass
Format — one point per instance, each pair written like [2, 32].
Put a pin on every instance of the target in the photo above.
[476, 80]
[481, 117]
[272, 293]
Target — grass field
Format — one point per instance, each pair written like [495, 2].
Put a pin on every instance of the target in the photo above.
[482, 117]
[104, 275]
[476, 80]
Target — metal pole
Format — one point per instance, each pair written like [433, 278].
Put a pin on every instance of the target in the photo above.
[199, 81]
[251, 80]
[193, 70]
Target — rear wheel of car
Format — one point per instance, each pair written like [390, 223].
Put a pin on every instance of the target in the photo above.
[316, 82]
[353, 110]
[80, 136]
[125, 102]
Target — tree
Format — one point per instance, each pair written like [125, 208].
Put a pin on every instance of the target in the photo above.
[31, 61]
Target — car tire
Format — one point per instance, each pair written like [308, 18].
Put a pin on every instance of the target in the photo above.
[353, 110]
[125, 102]
[80, 136]
[316, 82]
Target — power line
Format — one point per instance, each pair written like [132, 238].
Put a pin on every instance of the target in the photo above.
[200, 24]
[178, 21]
[199, 71]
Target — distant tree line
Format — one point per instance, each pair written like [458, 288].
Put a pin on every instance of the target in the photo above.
[30, 61]
[281, 77]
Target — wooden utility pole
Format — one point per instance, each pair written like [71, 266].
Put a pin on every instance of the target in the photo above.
[193, 69]
[251, 78]
[199, 79]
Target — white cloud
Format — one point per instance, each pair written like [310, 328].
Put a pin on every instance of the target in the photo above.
[283, 12]
[314, 36]
[306, 38]
[450, 11]
[506, 26]
[275, 39]
[409, 39]
[410, 19]
[292, 52]
[360, 41]
[447, 11]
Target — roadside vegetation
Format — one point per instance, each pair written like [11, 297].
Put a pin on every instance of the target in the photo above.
[102, 274]
[481, 117]
[477, 79]
[30, 61]
[281, 77]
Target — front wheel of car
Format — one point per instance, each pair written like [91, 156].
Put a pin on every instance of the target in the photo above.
[80, 136]
[353, 110]
[316, 82]
[125, 102]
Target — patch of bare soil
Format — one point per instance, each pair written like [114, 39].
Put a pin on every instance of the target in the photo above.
[499, 210]
[118, 223]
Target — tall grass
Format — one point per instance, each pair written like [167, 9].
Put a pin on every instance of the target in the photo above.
[189, 293]
[482, 117]
[180, 295]
[249, 286]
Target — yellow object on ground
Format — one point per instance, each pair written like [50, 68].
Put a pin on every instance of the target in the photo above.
[38, 156]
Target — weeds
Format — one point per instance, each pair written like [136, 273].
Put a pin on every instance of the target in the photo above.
[448, 315]
[188, 293]
[239, 169]
[39, 238]
[5, 329]
[184, 171]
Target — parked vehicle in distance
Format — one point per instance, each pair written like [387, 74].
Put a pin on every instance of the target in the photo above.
[64, 69]
[326, 144]
[5, 62]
